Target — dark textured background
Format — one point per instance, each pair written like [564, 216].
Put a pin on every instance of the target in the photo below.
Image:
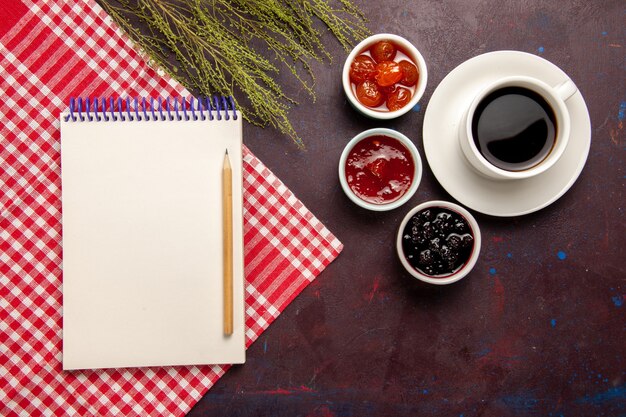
[538, 328]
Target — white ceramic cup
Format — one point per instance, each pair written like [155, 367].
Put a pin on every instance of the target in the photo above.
[555, 96]
[410, 50]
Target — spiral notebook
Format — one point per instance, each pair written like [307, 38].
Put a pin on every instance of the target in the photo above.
[142, 232]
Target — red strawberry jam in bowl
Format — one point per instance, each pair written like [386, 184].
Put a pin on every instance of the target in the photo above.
[438, 242]
[384, 76]
[380, 169]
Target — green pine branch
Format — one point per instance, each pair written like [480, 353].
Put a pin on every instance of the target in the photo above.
[226, 46]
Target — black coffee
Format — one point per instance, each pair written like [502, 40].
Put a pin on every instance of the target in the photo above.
[514, 128]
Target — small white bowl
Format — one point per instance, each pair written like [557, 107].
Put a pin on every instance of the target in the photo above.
[417, 173]
[463, 271]
[410, 50]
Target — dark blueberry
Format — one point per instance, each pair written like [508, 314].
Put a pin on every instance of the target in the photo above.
[435, 244]
[428, 230]
[426, 257]
[459, 226]
[425, 216]
[449, 256]
[468, 240]
[452, 264]
[454, 241]
[437, 226]
[445, 252]
[443, 216]
[415, 239]
[416, 235]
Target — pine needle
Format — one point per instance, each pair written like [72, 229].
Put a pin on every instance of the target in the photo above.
[231, 46]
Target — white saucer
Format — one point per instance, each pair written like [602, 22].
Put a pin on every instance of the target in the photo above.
[444, 155]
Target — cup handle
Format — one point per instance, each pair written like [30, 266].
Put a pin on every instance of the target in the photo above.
[566, 89]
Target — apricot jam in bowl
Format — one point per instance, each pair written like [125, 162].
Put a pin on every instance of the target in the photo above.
[380, 169]
[384, 76]
[438, 242]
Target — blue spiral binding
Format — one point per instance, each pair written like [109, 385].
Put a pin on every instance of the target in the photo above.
[169, 114]
[216, 103]
[119, 109]
[144, 106]
[136, 109]
[152, 108]
[184, 106]
[130, 116]
[103, 105]
[80, 110]
[194, 116]
[111, 110]
[208, 107]
[88, 109]
[197, 111]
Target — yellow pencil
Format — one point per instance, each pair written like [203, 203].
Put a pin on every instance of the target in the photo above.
[227, 205]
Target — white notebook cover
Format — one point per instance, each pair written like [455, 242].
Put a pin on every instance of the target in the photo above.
[142, 243]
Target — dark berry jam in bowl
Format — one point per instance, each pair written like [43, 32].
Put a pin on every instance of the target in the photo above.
[384, 76]
[380, 169]
[438, 242]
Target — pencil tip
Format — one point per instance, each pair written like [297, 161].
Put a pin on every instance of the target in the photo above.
[226, 151]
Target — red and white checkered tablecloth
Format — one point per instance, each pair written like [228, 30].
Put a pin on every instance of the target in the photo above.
[51, 50]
